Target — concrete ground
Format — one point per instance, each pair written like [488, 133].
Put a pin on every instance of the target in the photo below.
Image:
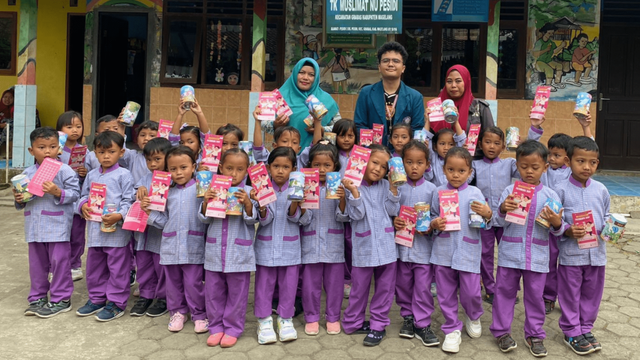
[68, 336]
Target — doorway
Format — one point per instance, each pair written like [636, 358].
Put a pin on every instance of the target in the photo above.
[75, 62]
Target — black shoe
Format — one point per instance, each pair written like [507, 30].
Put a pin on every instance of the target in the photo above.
[427, 336]
[517, 300]
[536, 346]
[132, 278]
[506, 343]
[34, 306]
[549, 306]
[592, 340]
[159, 308]
[274, 306]
[406, 331]
[365, 329]
[488, 298]
[140, 307]
[579, 345]
[53, 309]
[374, 338]
[298, 307]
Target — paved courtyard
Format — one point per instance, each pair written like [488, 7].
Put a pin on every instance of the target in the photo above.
[70, 337]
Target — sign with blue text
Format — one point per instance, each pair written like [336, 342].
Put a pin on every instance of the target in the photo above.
[460, 10]
[363, 17]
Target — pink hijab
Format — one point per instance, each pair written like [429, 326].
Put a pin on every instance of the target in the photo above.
[462, 103]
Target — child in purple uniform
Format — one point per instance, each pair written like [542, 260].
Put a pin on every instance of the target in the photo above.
[47, 228]
[439, 144]
[190, 136]
[147, 131]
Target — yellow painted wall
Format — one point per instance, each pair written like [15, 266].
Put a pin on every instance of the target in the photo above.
[51, 56]
[9, 81]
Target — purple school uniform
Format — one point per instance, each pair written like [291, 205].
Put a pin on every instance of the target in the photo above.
[581, 271]
[523, 252]
[91, 160]
[47, 229]
[278, 254]
[456, 256]
[436, 171]
[343, 157]
[374, 255]
[138, 166]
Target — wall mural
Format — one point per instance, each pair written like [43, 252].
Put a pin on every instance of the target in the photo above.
[563, 48]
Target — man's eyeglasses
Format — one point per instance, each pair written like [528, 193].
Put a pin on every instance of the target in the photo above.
[387, 60]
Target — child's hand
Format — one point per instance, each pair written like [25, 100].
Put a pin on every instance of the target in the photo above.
[427, 123]
[575, 232]
[243, 197]
[181, 108]
[256, 112]
[537, 122]
[144, 204]
[340, 193]
[18, 197]
[393, 188]
[281, 120]
[195, 108]
[120, 115]
[82, 171]
[208, 195]
[482, 209]
[399, 223]
[554, 219]
[438, 223]
[203, 168]
[142, 193]
[51, 188]
[111, 219]
[508, 205]
[86, 211]
[586, 122]
[253, 195]
[348, 184]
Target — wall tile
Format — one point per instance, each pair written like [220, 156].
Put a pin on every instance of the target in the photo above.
[233, 99]
[219, 98]
[154, 95]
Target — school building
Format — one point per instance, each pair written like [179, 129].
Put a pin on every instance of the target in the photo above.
[93, 56]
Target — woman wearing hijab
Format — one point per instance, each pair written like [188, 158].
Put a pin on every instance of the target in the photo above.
[6, 114]
[304, 81]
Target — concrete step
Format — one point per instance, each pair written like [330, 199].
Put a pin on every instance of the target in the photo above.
[624, 204]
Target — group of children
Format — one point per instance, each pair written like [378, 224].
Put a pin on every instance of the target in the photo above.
[188, 263]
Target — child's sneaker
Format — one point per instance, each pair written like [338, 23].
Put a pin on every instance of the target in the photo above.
[140, 307]
[506, 343]
[89, 309]
[159, 308]
[579, 344]
[549, 306]
[488, 298]
[312, 329]
[53, 309]
[364, 329]
[34, 306]
[176, 322]
[406, 331]
[452, 342]
[592, 340]
[76, 274]
[374, 338]
[201, 326]
[333, 328]
[427, 336]
[110, 312]
[132, 277]
[473, 327]
[536, 346]
[434, 291]
[347, 291]
[266, 334]
[286, 331]
[214, 340]
[228, 341]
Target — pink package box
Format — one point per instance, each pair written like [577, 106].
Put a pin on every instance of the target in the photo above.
[160, 183]
[76, 159]
[522, 195]
[357, 164]
[472, 138]
[136, 219]
[267, 103]
[585, 219]
[164, 128]
[540, 102]
[311, 189]
[212, 151]
[282, 108]
[97, 197]
[405, 236]
[262, 184]
[366, 137]
[450, 209]
[47, 171]
[435, 110]
[217, 206]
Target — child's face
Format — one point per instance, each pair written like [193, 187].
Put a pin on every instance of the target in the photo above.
[324, 164]
[492, 145]
[583, 164]
[235, 166]
[457, 171]
[113, 125]
[191, 141]
[415, 163]
[445, 142]
[377, 167]
[399, 139]
[109, 156]
[288, 139]
[346, 141]
[557, 157]
[531, 168]
[280, 169]
[145, 135]
[73, 130]
[44, 148]
[583, 42]
[155, 161]
[229, 141]
[181, 168]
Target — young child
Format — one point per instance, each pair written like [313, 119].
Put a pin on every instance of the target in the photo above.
[190, 136]
[232, 135]
[284, 136]
[182, 244]
[444, 140]
[581, 271]
[323, 246]
[47, 229]
[370, 207]
[400, 136]
[147, 131]
[229, 256]
[524, 253]
[456, 254]
[70, 123]
[109, 123]
[150, 276]
[109, 256]
[278, 251]
[414, 269]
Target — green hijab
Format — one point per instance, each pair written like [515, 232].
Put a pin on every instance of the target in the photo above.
[296, 100]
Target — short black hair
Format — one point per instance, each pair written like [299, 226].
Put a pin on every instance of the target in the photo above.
[157, 145]
[380, 148]
[281, 130]
[342, 127]
[105, 119]
[180, 150]
[193, 130]
[492, 130]
[459, 152]
[66, 119]
[325, 147]
[401, 126]
[395, 47]
[283, 151]
[107, 138]
[560, 141]
[441, 132]
[234, 151]
[532, 147]
[547, 27]
[418, 145]
[45, 132]
[582, 143]
[230, 129]
[149, 125]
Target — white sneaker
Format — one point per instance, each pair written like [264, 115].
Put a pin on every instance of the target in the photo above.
[286, 331]
[474, 328]
[76, 274]
[452, 342]
[266, 335]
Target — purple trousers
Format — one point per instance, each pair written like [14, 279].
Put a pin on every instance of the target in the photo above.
[413, 293]
[266, 278]
[185, 290]
[314, 277]
[551, 285]
[54, 257]
[132, 249]
[150, 275]
[448, 282]
[385, 284]
[108, 275]
[226, 296]
[348, 248]
[579, 293]
[508, 282]
[77, 241]
[489, 238]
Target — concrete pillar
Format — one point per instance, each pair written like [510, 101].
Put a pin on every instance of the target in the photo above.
[258, 54]
[493, 40]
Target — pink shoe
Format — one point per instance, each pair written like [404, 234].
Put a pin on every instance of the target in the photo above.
[312, 328]
[214, 340]
[228, 341]
[176, 322]
[333, 328]
[201, 326]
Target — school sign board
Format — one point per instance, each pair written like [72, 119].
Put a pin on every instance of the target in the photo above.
[363, 17]
[460, 10]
